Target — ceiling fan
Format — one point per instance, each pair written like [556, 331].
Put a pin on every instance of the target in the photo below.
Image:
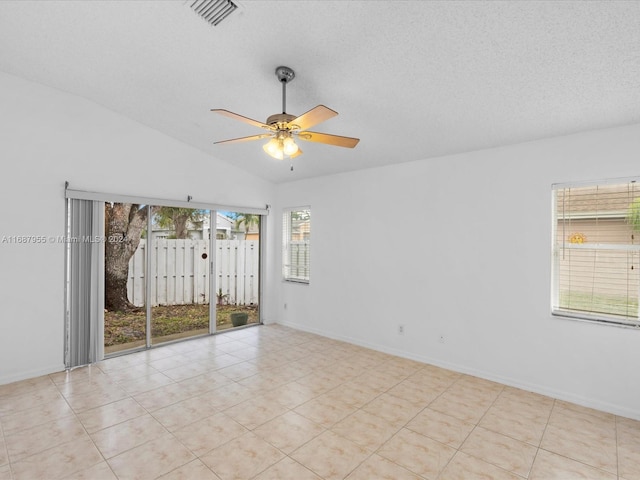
[284, 128]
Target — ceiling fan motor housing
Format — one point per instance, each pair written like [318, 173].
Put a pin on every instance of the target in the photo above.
[281, 121]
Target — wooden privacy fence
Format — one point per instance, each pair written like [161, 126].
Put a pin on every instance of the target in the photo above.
[180, 274]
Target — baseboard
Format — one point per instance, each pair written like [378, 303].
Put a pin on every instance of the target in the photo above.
[511, 382]
[17, 377]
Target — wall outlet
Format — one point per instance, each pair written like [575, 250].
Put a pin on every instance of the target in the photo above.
[441, 339]
[400, 329]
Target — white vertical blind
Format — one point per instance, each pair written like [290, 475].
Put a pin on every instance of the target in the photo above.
[597, 252]
[85, 296]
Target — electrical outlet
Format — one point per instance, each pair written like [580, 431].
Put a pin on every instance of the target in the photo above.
[400, 329]
[441, 339]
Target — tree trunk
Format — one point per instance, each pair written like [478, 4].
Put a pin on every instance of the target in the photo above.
[180, 226]
[124, 223]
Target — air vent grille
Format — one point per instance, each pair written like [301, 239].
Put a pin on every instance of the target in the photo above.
[213, 11]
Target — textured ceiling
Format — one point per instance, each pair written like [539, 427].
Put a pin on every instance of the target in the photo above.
[412, 80]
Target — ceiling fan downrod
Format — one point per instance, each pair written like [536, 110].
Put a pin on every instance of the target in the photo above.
[285, 75]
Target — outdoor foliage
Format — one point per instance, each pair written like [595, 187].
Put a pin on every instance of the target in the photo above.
[126, 327]
[633, 215]
[248, 219]
[124, 225]
[178, 219]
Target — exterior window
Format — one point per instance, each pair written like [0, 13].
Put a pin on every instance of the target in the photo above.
[296, 244]
[596, 251]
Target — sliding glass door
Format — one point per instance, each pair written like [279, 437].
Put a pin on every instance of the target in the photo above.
[125, 276]
[237, 269]
[179, 271]
[158, 282]
[163, 273]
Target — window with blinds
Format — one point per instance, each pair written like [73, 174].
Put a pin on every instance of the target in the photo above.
[596, 251]
[296, 244]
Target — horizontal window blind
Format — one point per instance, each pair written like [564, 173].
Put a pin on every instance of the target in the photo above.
[596, 251]
[296, 244]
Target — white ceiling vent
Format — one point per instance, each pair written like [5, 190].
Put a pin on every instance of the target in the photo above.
[213, 11]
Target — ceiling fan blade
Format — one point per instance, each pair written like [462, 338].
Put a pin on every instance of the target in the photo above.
[246, 139]
[313, 117]
[250, 121]
[336, 140]
[299, 152]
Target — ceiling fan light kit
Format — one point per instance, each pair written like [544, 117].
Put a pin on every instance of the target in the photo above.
[285, 128]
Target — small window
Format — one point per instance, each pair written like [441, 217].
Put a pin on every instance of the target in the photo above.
[596, 251]
[296, 244]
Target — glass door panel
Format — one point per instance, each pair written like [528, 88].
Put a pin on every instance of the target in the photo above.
[237, 269]
[125, 321]
[179, 270]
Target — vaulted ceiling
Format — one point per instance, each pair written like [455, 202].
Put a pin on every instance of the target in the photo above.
[411, 79]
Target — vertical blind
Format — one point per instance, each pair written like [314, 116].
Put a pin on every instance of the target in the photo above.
[84, 299]
[597, 252]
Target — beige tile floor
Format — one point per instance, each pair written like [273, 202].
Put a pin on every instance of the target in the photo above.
[272, 403]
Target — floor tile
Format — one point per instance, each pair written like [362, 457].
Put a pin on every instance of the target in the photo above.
[325, 411]
[468, 408]
[146, 383]
[465, 467]
[378, 468]
[549, 466]
[629, 462]
[415, 392]
[58, 462]
[225, 396]
[289, 431]
[242, 458]
[42, 437]
[151, 459]
[441, 427]
[422, 455]
[124, 436]
[100, 471]
[110, 414]
[17, 403]
[275, 403]
[35, 416]
[515, 424]
[194, 470]
[28, 386]
[331, 456]
[500, 450]
[355, 394]
[587, 447]
[291, 395]
[211, 432]
[5, 472]
[394, 410]
[183, 413]
[96, 398]
[4, 455]
[287, 469]
[365, 429]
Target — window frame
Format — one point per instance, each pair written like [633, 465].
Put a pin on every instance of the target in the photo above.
[557, 247]
[287, 241]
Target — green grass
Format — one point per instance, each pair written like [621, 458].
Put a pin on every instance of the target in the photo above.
[618, 305]
[126, 327]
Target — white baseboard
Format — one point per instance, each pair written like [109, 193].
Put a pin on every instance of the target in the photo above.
[511, 382]
[16, 377]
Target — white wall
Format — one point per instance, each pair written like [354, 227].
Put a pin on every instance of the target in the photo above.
[49, 137]
[482, 277]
